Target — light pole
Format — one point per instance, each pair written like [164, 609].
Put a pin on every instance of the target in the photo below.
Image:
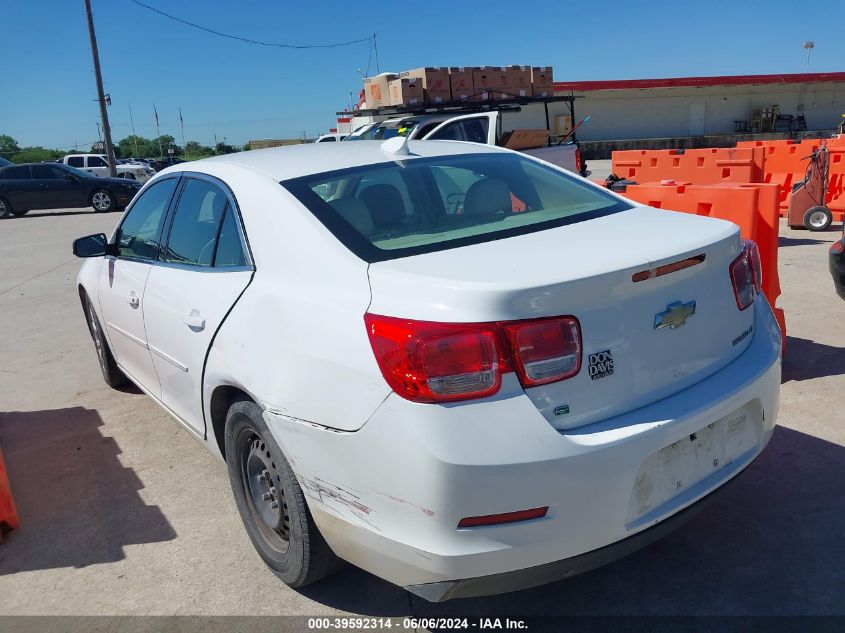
[809, 45]
[101, 97]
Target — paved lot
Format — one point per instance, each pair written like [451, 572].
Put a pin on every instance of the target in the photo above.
[124, 513]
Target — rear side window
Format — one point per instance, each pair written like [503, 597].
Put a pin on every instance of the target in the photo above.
[196, 223]
[402, 208]
[472, 130]
[76, 161]
[138, 236]
[230, 249]
[16, 173]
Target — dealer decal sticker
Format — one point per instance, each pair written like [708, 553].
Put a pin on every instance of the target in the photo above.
[601, 364]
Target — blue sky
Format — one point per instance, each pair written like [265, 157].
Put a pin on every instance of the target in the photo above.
[241, 91]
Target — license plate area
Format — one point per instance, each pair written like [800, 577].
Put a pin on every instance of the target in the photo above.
[687, 468]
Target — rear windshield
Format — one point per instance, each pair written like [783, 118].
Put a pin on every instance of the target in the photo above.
[421, 205]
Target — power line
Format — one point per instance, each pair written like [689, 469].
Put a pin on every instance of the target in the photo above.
[245, 39]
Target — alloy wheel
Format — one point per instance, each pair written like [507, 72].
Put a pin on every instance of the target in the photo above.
[101, 201]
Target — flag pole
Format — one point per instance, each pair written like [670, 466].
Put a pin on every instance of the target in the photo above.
[182, 125]
[134, 136]
[158, 133]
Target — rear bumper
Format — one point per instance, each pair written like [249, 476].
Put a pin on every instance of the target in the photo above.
[561, 569]
[388, 498]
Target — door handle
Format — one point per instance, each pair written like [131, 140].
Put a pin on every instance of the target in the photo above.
[195, 321]
[134, 301]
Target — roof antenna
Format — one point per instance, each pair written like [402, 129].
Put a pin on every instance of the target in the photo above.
[398, 146]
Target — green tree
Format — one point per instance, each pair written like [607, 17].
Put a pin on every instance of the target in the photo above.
[35, 155]
[8, 146]
[193, 149]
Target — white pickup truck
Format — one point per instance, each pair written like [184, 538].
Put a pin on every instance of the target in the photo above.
[98, 165]
[477, 127]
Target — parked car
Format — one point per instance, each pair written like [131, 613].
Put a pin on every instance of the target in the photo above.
[34, 186]
[98, 165]
[330, 138]
[457, 367]
[836, 260]
[474, 127]
[163, 163]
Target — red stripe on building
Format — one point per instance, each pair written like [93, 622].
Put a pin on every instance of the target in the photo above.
[681, 82]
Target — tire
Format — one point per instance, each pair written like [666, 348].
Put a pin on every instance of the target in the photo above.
[7, 209]
[285, 536]
[817, 218]
[103, 201]
[111, 373]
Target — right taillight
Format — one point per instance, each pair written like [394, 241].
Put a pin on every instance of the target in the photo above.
[746, 275]
[425, 361]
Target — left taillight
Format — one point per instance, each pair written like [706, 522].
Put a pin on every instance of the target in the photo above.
[545, 350]
[425, 361]
[746, 274]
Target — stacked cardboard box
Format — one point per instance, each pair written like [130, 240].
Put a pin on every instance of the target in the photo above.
[377, 90]
[407, 91]
[435, 83]
[440, 85]
[542, 82]
[460, 82]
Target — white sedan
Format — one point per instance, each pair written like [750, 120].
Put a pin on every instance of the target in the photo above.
[457, 367]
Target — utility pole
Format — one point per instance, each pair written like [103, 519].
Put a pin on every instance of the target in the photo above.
[100, 95]
[375, 50]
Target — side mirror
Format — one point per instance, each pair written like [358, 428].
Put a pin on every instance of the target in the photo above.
[92, 246]
[70, 177]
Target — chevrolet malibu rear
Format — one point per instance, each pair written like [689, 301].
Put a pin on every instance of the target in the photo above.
[469, 372]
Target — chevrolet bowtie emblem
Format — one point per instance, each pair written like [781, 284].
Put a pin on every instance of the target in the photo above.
[676, 315]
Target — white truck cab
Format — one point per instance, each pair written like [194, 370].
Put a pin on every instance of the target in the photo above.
[98, 165]
[476, 127]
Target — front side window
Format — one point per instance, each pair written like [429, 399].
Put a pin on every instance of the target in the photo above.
[196, 223]
[76, 161]
[96, 161]
[402, 208]
[139, 234]
[48, 172]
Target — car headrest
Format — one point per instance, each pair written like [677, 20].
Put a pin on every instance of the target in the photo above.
[488, 195]
[385, 204]
[355, 212]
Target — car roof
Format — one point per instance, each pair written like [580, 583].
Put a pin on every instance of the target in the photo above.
[293, 161]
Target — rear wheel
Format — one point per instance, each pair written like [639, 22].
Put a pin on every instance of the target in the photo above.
[102, 201]
[818, 218]
[6, 208]
[111, 373]
[271, 502]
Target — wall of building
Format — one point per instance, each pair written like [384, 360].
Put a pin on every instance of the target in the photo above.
[696, 111]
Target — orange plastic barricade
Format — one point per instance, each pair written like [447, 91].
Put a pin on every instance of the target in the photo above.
[698, 166]
[8, 515]
[835, 198]
[751, 206]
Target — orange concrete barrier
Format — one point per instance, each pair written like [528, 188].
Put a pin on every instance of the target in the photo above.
[8, 515]
[751, 206]
[698, 166]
